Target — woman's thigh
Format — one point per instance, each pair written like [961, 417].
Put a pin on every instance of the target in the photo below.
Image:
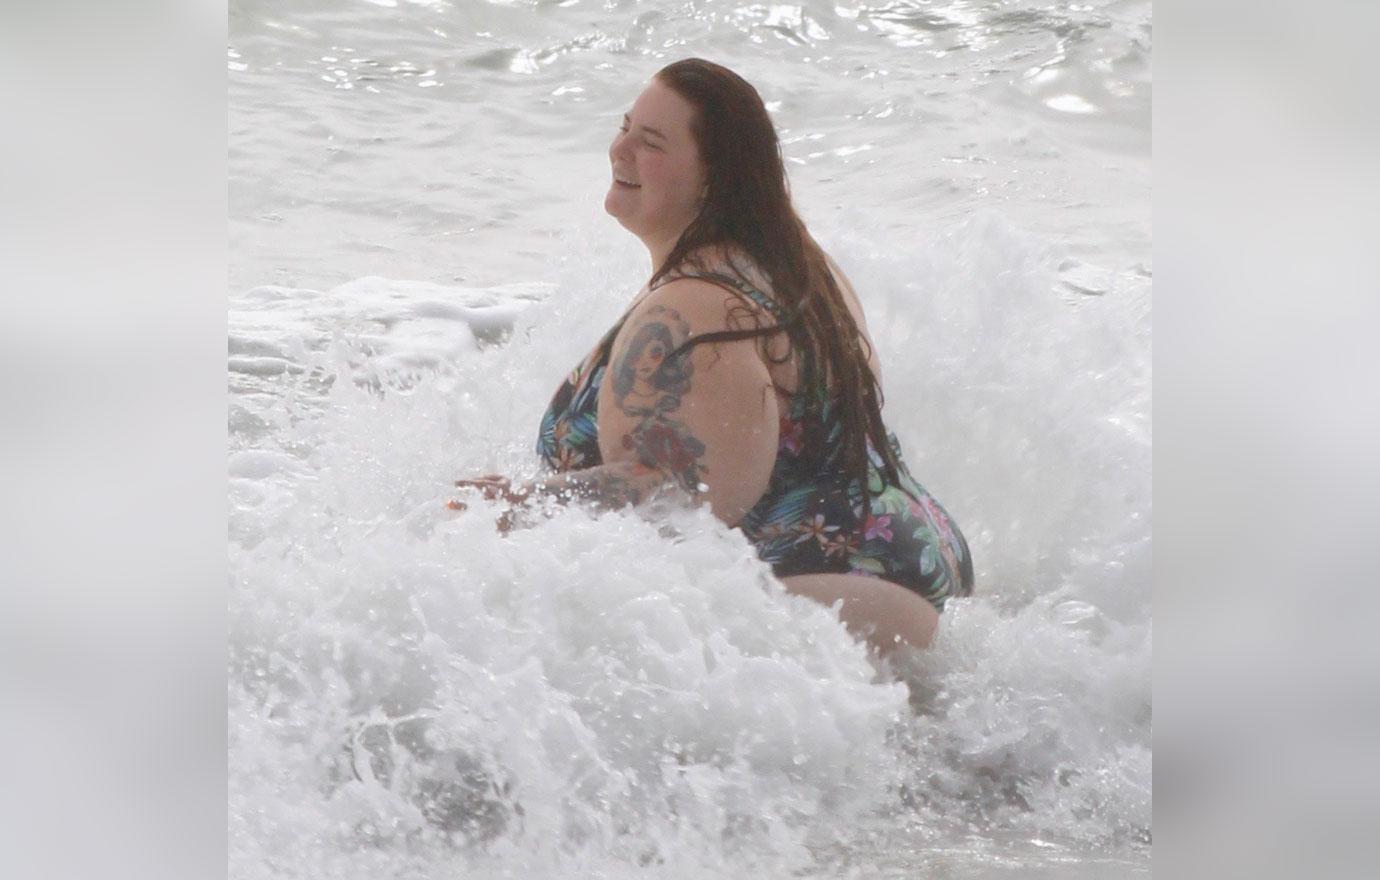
[882, 612]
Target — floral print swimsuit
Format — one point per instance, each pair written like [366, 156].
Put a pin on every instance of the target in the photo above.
[810, 519]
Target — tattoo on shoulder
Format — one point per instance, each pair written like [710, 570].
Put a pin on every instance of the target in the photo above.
[649, 380]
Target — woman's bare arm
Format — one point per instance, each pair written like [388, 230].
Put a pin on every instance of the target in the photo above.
[706, 419]
[703, 423]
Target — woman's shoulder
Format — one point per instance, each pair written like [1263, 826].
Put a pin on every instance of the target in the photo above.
[696, 299]
[731, 269]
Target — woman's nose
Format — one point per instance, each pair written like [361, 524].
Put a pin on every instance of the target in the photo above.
[619, 147]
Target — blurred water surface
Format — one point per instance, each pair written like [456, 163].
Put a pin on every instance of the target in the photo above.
[452, 141]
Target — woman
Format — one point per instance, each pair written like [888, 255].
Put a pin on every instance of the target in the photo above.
[743, 373]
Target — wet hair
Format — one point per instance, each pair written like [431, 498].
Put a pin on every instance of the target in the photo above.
[748, 205]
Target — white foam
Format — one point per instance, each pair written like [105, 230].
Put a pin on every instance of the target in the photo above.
[639, 697]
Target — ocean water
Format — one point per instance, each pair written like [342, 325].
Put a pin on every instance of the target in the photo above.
[418, 256]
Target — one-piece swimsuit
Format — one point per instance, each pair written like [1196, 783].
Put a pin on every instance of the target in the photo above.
[810, 519]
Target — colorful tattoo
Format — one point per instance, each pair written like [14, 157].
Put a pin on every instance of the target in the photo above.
[649, 380]
[667, 446]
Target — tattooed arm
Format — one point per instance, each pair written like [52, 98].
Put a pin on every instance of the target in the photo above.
[704, 420]
[611, 487]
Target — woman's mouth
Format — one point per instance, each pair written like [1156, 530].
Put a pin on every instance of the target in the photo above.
[626, 184]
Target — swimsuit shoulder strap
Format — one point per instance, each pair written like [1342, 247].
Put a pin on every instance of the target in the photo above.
[742, 287]
[761, 299]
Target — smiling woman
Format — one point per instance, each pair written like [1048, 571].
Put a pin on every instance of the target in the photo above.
[743, 375]
[659, 179]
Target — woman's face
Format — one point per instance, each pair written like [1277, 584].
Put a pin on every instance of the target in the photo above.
[654, 156]
[650, 361]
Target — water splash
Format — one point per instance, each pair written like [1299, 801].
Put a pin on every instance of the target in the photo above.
[411, 691]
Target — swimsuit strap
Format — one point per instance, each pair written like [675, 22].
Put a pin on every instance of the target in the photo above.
[821, 394]
[742, 287]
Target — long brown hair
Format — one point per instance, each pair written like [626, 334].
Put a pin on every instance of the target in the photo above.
[748, 204]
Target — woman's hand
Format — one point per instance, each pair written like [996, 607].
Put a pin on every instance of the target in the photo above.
[495, 487]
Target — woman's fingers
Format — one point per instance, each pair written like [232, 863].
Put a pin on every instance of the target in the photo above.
[491, 487]
[488, 491]
[506, 520]
[494, 487]
[498, 490]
